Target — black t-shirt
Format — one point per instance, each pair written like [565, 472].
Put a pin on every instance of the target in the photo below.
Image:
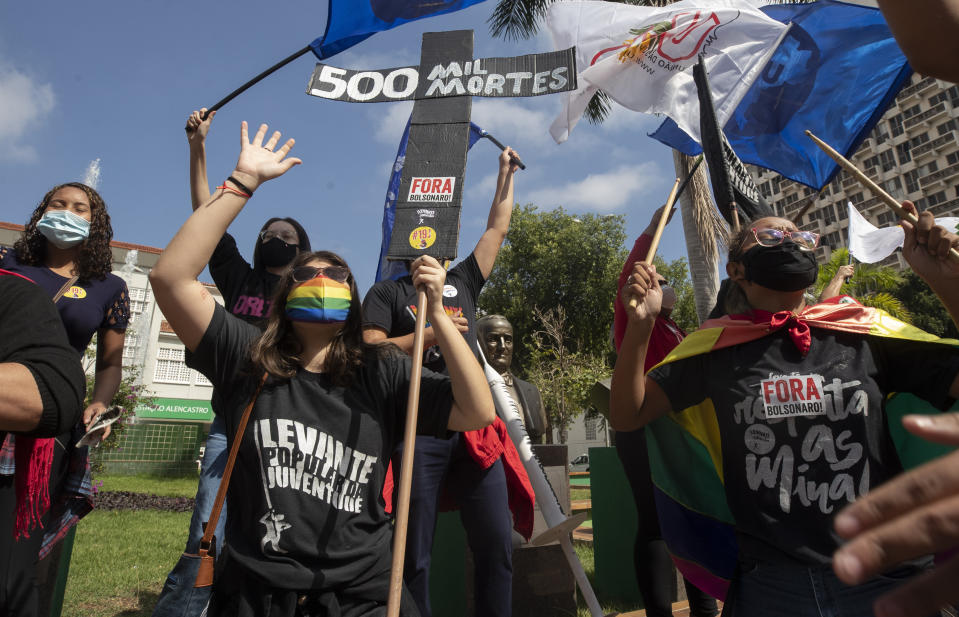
[391, 305]
[246, 292]
[32, 334]
[86, 307]
[804, 436]
[306, 511]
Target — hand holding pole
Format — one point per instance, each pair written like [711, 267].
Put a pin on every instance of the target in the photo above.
[500, 145]
[659, 230]
[872, 186]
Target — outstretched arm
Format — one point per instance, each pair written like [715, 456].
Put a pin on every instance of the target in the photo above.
[832, 289]
[472, 401]
[634, 400]
[196, 131]
[499, 215]
[184, 301]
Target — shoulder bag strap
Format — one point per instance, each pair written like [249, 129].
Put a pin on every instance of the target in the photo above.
[207, 539]
[66, 287]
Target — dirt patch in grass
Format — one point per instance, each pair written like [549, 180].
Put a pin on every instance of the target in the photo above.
[127, 500]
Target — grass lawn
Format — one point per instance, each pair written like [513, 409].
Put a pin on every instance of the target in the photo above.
[120, 560]
[151, 485]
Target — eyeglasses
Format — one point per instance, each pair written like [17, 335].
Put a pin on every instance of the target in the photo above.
[303, 274]
[806, 240]
[289, 237]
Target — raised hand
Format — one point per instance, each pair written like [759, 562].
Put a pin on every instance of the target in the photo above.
[643, 286]
[915, 514]
[926, 247]
[428, 275]
[197, 128]
[258, 161]
[507, 158]
[654, 221]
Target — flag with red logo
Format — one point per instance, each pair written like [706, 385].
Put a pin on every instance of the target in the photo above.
[642, 56]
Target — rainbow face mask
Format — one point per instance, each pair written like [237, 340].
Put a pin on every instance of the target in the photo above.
[319, 300]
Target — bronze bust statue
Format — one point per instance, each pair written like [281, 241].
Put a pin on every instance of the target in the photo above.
[495, 335]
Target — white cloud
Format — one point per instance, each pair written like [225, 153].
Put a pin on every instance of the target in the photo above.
[24, 102]
[367, 61]
[513, 123]
[390, 120]
[602, 192]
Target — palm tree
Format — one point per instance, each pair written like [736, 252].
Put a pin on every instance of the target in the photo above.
[871, 284]
[703, 228]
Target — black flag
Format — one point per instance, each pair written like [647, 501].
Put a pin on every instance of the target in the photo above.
[731, 180]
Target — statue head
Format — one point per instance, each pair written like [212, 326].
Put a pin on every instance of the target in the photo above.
[495, 335]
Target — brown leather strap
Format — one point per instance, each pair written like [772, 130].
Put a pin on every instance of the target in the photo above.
[225, 482]
[66, 287]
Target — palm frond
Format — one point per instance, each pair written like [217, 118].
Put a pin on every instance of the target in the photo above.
[517, 19]
[599, 108]
[889, 303]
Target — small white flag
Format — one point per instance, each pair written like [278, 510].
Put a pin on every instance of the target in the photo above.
[869, 244]
[640, 56]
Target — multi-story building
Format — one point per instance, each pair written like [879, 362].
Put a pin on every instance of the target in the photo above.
[913, 153]
[165, 437]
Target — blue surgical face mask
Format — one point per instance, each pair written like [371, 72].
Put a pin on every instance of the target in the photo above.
[63, 228]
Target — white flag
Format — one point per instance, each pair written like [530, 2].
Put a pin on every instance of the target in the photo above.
[641, 55]
[869, 244]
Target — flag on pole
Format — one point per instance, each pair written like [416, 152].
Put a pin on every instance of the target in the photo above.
[640, 55]
[349, 22]
[835, 73]
[869, 244]
[385, 268]
[732, 183]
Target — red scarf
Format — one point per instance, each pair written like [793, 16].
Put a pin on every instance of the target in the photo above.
[33, 458]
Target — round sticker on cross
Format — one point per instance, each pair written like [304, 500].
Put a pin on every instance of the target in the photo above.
[422, 237]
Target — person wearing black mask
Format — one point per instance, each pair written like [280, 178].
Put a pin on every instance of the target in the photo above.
[247, 291]
[793, 401]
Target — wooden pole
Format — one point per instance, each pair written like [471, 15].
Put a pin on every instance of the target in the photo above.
[402, 505]
[735, 210]
[659, 230]
[872, 186]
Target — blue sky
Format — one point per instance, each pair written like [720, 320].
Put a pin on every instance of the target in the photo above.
[116, 80]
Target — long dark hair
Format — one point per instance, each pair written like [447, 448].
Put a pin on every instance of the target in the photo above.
[94, 259]
[300, 232]
[276, 351]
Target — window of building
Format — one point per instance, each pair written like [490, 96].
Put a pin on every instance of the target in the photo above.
[945, 127]
[856, 198]
[938, 98]
[886, 160]
[765, 189]
[903, 152]
[895, 125]
[872, 161]
[935, 198]
[893, 186]
[928, 168]
[589, 424]
[171, 367]
[792, 198]
[832, 240]
[200, 380]
[954, 96]
[828, 215]
[887, 218]
[910, 112]
[952, 158]
[912, 180]
[131, 342]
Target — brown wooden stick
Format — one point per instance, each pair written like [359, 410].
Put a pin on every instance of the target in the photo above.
[659, 231]
[735, 210]
[402, 505]
[872, 186]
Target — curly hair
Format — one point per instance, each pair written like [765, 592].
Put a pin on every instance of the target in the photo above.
[94, 259]
[276, 351]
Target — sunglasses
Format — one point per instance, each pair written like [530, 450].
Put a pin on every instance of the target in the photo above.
[806, 240]
[287, 236]
[303, 274]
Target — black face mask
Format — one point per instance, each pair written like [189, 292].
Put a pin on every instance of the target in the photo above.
[275, 253]
[784, 267]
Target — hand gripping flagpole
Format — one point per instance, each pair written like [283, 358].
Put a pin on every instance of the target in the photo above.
[500, 145]
[660, 227]
[872, 186]
[406, 467]
[560, 526]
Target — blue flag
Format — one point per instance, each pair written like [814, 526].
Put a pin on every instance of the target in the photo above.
[350, 21]
[835, 73]
[385, 268]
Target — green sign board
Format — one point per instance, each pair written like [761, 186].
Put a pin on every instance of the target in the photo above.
[176, 409]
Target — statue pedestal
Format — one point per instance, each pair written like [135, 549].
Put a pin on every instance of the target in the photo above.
[543, 584]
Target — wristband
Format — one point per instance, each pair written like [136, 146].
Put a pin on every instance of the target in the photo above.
[241, 186]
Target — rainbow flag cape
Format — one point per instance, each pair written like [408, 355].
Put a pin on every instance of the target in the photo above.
[319, 299]
[685, 451]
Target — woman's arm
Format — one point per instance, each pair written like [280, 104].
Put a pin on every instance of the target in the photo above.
[109, 373]
[185, 303]
[832, 289]
[472, 402]
[196, 131]
[634, 400]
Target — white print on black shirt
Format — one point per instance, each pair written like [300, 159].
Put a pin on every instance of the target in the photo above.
[298, 457]
[781, 467]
